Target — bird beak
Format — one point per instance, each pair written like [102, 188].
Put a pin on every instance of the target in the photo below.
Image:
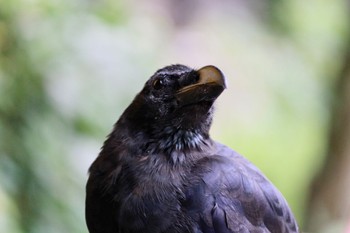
[210, 85]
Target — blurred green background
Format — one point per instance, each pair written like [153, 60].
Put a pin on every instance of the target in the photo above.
[69, 68]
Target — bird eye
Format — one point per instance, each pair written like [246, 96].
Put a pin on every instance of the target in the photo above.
[158, 84]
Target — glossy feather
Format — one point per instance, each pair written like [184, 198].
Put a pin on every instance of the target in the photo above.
[160, 172]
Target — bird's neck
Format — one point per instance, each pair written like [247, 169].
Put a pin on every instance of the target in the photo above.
[175, 142]
[176, 138]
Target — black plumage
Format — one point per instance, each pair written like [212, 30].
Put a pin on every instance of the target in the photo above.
[159, 170]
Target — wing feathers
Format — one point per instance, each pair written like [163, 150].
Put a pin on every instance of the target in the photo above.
[233, 196]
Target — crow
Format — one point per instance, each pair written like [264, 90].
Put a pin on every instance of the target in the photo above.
[159, 171]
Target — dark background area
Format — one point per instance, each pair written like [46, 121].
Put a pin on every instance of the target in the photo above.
[69, 68]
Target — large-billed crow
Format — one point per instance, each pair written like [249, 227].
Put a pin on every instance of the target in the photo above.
[159, 170]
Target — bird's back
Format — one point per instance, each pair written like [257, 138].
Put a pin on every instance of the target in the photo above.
[226, 193]
[221, 192]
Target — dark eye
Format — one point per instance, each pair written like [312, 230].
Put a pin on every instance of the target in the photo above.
[158, 84]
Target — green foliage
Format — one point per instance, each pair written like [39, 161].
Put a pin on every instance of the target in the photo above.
[69, 68]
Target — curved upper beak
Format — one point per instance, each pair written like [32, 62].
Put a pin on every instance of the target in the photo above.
[210, 85]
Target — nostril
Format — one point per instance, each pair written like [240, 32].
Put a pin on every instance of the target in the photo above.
[196, 77]
[189, 78]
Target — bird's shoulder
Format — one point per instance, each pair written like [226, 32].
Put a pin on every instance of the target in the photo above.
[227, 193]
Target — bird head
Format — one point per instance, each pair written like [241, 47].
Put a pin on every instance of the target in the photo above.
[176, 105]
